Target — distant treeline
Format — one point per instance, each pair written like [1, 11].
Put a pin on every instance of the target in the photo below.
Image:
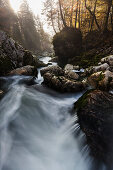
[23, 26]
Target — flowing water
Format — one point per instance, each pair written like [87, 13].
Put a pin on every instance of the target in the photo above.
[37, 131]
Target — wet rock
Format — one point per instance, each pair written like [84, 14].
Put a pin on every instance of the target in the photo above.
[94, 69]
[101, 80]
[26, 70]
[102, 67]
[1, 94]
[76, 67]
[95, 113]
[62, 81]
[58, 71]
[71, 75]
[62, 84]
[54, 59]
[28, 81]
[107, 59]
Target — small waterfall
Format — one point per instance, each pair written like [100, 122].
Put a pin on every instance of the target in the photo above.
[36, 132]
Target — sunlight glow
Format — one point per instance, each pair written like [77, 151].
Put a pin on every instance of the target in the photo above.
[15, 4]
[35, 5]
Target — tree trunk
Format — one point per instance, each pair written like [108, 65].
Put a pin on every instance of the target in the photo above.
[71, 16]
[59, 27]
[79, 16]
[112, 18]
[107, 16]
[93, 15]
[76, 17]
[53, 22]
[61, 13]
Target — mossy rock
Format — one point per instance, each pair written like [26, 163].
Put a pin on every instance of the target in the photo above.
[95, 117]
[82, 101]
[86, 59]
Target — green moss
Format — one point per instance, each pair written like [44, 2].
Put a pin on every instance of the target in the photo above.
[87, 59]
[82, 102]
[101, 77]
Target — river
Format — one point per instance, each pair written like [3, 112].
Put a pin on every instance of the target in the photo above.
[37, 130]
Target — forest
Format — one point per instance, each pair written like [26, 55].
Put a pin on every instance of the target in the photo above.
[87, 15]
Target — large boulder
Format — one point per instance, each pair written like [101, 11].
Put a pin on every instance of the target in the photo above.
[58, 71]
[62, 84]
[26, 70]
[108, 59]
[60, 80]
[94, 69]
[95, 116]
[69, 67]
[101, 80]
[67, 44]
[71, 75]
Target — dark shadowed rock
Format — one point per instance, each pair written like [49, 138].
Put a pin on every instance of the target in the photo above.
[67, 44]
[95, 113]
[6, 64]
[29, 59]
[28, 81]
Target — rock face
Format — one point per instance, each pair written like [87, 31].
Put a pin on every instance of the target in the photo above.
[26, 70]
[62, 81]
[95, 113]
[101, 80]
[67, 44]
[13, 55]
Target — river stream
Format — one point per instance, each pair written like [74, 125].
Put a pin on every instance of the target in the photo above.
[37, 130]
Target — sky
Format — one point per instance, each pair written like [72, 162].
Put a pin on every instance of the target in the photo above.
[35, 5]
